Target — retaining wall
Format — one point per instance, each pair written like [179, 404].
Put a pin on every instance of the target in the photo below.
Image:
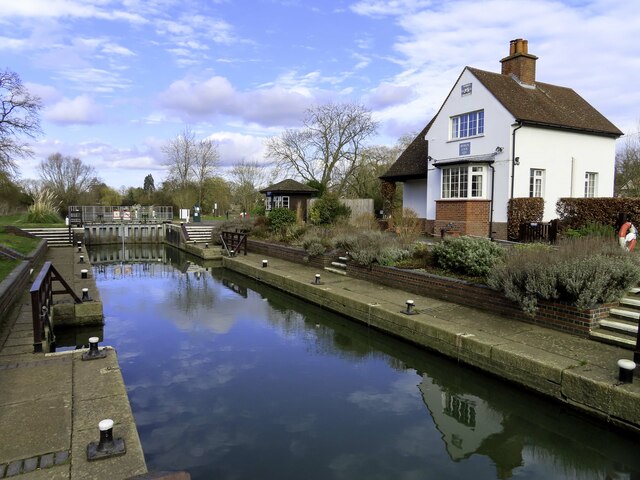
[12, 287]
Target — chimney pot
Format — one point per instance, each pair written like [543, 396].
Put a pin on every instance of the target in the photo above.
[520, 63]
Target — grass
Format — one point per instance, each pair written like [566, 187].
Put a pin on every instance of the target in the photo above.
[23, 245]
[20, 220]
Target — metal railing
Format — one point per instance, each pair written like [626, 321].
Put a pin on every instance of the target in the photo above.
[42, 293]
[79, 215]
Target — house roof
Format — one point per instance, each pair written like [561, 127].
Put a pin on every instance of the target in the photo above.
[486, 158]
[545, 105]
[289, 186]
[412, 163]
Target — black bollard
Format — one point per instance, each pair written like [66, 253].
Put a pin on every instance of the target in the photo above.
[264, 263]
[81, 259]
[107, 446]
[94, 353]
[85, 295]
[409, 310]
[626, 368]
[84, 273]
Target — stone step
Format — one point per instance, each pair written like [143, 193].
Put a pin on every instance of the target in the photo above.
[335, 270]
[613, 339]
[630, 302]
[634, 290]
[343, 266]
[343, 259]
[625, 313]
[621, 327]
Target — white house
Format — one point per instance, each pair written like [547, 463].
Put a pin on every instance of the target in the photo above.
[503, 136]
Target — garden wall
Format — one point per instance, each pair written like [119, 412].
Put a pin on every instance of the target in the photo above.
[556, 315]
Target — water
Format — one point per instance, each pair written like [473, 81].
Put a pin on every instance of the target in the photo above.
[230, 379]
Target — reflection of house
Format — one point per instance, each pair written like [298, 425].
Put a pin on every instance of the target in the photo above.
[464, 420]
[504, 135]
[288, 194]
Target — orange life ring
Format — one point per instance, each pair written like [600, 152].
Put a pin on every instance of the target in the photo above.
[624, 229]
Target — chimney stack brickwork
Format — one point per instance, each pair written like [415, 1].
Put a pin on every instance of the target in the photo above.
[520, 63]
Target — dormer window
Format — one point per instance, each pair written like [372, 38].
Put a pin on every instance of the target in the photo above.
[467, 125]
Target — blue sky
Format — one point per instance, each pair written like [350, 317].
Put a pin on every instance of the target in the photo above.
[118, 78]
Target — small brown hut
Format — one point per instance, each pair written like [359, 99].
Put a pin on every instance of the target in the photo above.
[288, 194]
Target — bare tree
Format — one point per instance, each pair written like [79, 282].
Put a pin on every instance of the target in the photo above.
[247, 177]
[328, 148]
[67, 178]
[206, 160]
[180, 154]
[19, 118]
[628, 166]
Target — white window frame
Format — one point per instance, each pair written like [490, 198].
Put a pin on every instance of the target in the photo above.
[462, 182]
[281, 201]
[466, 125]
[267, 204]
[536, 182]
[590, 184]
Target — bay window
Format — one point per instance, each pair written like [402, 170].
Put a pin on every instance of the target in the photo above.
[465, 181]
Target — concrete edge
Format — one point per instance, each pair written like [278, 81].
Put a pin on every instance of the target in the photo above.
[560, 378]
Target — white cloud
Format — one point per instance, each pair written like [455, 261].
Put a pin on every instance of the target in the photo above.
[47, 93]
[377, 8]
[388, 94]
[79, 110]
[65, 8]
[216, 96]
[234, 146]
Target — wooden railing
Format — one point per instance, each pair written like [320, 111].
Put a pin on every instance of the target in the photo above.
[234, 242]
[42, 293]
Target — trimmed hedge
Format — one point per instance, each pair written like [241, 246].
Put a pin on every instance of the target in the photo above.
[578, 212]
[523, 210]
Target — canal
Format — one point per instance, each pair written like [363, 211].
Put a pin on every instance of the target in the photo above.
[231, 379]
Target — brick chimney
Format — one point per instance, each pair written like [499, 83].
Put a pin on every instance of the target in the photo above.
[520, 63]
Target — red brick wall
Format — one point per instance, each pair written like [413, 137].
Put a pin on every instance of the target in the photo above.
[296, 255]
[468, 217]
[556, 315]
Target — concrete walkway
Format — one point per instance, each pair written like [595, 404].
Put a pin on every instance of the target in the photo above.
[576, 371]
[50, 405]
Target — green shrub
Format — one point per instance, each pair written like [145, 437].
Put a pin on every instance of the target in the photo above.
[327, 210]
[466, 255]
[408, 226]
[315, 247]
[280, 218]
[584, 271]
[44, 209]
[592, 229]
[367, 246]
[391, 255]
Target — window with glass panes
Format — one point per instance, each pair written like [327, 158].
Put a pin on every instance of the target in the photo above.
[468, 124]
[281, 202]
[536, 182]
[463, 181]
[590, 182]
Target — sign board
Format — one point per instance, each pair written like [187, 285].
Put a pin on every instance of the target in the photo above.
[465, 89]
[464, 148]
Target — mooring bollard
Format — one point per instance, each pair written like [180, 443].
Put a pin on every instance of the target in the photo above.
[81, 259]
[316, 280]
[626, 368]
[94, 352]
[107, 446]
[79, 243]
[264, 263]
[84, 273]
[85, 295]
[410, 305]
[206, 245]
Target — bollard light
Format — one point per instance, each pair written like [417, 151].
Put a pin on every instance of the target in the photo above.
[81, 259]
[85, 295]
[84, 273]
[626, 368]
[94, 352]
[107, 446]
[264, 263]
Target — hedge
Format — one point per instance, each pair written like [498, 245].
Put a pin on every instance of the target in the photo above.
[523, 210]
[578, 212]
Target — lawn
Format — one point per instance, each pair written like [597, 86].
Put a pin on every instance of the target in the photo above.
[20, 220]
[22, 245]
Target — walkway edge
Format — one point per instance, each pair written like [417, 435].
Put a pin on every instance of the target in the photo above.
[589, 388]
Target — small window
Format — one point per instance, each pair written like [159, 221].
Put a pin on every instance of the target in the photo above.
[467, 124]
[281, 201]
[590, 184]
[536, 183]
[267, 204]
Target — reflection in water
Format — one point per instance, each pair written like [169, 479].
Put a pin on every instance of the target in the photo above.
[238, 380]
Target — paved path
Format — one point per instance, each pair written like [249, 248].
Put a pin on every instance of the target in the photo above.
[50, 405]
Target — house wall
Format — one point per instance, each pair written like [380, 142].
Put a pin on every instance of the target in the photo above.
[414, 196]
[565, 157]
